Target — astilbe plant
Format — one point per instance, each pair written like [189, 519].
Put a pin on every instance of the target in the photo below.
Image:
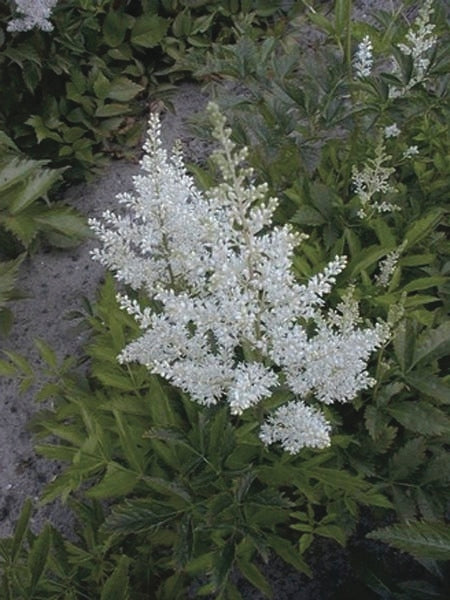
[228, 320]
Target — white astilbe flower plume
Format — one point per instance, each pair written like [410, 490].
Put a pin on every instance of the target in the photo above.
[296, 425]
[371, 183]
[363, 59]
[34, 13]
[230, 321]
[418, 44]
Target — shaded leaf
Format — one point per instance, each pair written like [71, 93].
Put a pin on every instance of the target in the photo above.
[149, 30]
[420, 416]
[38, 556]
[419, 538]
[116, 587]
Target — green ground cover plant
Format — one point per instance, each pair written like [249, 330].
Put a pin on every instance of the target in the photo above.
[73, 93]
[353, 140]
[78, 92]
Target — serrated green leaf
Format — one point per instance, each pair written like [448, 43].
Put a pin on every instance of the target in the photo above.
[72, 134]
[47, 353]
[407, 459]
[139, 516]
[116, 587]
[176, 493]
[430, 385]
[20, 361]
[342, 16]
[112, 110]
[123, 89]
[38, 556]
[15, 169]
[433, 344]
[322, 22]
[307, 215]
[419, 538]
[66, 221]
[384, 233]
[9, 271]
[420, 417]
[110, 376]
[421, 228]
[438, 468]
[254, 576]
[149, 30]
[21, 528]
[222, 564]
[5, 140]
[7, 369]
[102, 86]
[365, 258]
[23, 226]
[200, 564]
[162, 411]
[423, 283]
[117, 481]
[288, 553]
[114, 28]
[133, 453]
[41, 130]
[404, 342]
[334, 478]
[332, 531]
[375, 421]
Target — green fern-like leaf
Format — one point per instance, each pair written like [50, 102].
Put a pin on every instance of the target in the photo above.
[408, 459]
[419, 538]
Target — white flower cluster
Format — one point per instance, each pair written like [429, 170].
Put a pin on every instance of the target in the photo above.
[419, 41]
[228, 320]
[373, 180]
[35, 13]
[410, 152]
[388, 265]
[391, 131]
[363, 59]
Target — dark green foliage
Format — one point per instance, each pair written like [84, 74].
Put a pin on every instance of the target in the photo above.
[25, 209]
[304, 138]
[422, 539]
[193, 486]
[81, 91]
[48, 567]
[8, 292]
[27, 216]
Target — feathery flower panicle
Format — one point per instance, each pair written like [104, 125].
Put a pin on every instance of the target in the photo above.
[418, 43]
[231, 322]
[35, 13]
[296, 425]
[363, 59]
[373, 181]
[388, 265]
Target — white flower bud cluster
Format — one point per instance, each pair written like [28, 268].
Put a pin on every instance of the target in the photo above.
[35, 13]
[388, 265]
[373, 180]
[410, 152]
[391, 131]
[228, 320]
[363, 59]
[419, 41]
